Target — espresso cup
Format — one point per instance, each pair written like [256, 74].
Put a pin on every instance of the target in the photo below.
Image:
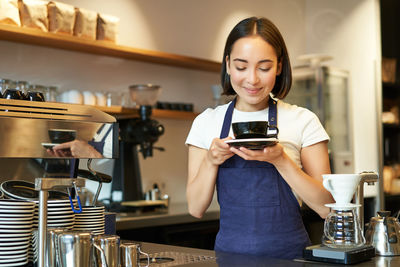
[341, 186]
[13, 94]
[34, 96]
[58, 136]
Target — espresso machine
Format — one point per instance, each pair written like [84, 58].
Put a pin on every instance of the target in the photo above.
[28, 131]
[137, 135]
[343, 239]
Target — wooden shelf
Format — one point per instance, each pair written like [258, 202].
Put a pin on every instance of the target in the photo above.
[71, 43]
[127, 113]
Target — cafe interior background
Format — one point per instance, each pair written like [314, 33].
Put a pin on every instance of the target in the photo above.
[349, 31]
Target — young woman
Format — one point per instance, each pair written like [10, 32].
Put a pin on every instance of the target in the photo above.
[259, 213]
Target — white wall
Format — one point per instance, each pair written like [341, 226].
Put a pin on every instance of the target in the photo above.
[198, 29]
[348, 30]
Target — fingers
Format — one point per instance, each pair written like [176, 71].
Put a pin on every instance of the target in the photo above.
[63, 145]
[268, 154]
[219, 151]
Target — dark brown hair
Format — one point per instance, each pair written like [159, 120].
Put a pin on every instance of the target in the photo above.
[270, 33]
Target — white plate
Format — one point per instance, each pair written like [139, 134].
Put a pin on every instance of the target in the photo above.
[24, 209]
[12, 221]
[336, 206]
[14, 248]
[66, 208]
[252, 143]
[16, 215]
[9, 261]
[60, 221]
[12, 226]
[16, 202]
[88, 208]
[89, 219]
[15, 219]
[21, 263]
[56, 216]
[3, 231]
[16, 243]
[56, 224]
[90, 228]
[65, 212]
[18, 256]
[89, 224]
[5, 211]
[55, 201]
[15, 238]
[14, 252]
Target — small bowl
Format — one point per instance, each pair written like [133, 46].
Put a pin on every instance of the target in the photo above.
[250, 129]
[58, 136]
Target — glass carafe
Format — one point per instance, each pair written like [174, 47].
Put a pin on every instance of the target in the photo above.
[342, 229]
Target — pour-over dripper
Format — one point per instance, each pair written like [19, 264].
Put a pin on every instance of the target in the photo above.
[341, 186]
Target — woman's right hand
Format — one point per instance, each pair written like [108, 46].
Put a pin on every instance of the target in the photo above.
[219, 151]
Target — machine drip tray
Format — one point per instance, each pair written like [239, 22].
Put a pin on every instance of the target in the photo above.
[172, 258]
[342, 256]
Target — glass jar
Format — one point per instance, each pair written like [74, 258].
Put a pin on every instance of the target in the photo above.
[342, 229]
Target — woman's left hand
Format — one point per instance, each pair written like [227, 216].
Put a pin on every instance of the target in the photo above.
[272, 154]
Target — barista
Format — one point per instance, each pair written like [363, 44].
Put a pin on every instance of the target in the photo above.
[259, 213]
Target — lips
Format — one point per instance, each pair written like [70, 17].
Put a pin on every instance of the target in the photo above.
[252, 91]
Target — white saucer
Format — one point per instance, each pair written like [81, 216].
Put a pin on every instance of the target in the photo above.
[336, 206]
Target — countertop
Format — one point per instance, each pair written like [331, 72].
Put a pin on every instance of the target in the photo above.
[209, 258]
[176, 213]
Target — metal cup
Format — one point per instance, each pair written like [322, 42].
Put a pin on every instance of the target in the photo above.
[74, 249]
[110, 245]
[130, 254]
[50, 252]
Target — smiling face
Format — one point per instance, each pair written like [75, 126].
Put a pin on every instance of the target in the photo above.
[253, 66]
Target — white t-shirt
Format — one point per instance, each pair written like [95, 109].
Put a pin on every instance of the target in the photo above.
[298, 127]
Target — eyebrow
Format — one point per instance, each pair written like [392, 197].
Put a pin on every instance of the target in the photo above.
[245, 61]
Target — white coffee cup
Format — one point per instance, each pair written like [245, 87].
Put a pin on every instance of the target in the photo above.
[341, 186]
[89, 98]
[101, 99]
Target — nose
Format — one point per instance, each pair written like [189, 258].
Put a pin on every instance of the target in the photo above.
[252, 77]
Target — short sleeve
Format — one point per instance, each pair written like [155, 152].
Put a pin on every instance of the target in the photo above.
[198, 135]
[313, 131]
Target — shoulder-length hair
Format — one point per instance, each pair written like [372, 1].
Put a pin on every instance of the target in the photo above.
[270, 33]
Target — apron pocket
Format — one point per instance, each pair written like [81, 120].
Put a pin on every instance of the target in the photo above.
[248, 187]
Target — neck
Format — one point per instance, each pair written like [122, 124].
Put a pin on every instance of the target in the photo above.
[243, 106]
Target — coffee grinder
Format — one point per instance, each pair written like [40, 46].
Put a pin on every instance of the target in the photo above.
[136, 135]
[343, 238]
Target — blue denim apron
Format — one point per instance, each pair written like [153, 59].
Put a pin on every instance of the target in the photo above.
[259, 214]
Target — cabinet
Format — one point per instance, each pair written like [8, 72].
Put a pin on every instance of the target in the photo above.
[391, 100]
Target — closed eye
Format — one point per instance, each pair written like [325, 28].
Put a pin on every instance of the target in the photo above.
[265, 69]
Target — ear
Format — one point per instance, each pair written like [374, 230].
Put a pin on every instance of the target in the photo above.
[228, 71]
[279, 68]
